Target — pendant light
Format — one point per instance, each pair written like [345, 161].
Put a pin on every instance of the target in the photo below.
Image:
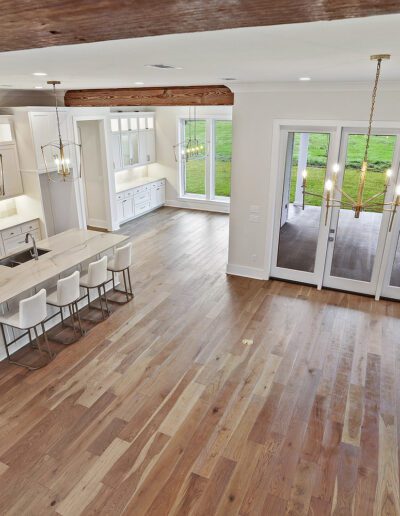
[58, 152]
[359, 203]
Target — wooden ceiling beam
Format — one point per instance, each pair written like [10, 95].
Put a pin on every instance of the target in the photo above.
[25, 24]
[172, 96]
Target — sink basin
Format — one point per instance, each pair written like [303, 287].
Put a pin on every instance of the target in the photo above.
[24, 256]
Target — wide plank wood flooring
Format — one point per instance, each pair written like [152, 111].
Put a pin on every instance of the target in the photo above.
[209, 394]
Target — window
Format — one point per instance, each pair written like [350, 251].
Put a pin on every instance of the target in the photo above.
[207, 175]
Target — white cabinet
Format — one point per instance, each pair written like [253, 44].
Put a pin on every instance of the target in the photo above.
[157, 194]
[14, 237]
[10, 175]
[44, 131]
[116, 151]
[142, 199]
[132, 140]
[147, 146]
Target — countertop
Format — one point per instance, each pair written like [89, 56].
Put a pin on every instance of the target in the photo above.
[14, 220]
[67, 249]
[127, 185]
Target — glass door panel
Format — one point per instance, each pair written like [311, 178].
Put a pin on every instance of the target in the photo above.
[356, 240]
[195, 166]
[300, 226]
[395, 274]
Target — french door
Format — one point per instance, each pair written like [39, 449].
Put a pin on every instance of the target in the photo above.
[335, 249]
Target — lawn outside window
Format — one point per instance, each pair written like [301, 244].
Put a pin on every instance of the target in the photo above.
[206, 177]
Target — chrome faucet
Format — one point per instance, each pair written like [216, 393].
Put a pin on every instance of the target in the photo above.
[34, 252]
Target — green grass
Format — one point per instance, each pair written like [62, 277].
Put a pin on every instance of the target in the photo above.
[379, 160]
[195, 169]
[316, 178]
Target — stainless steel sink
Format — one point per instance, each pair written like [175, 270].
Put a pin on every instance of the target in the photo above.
[22, 257]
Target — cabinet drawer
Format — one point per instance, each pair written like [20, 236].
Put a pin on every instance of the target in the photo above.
[11, 243]
[142, 207]
[142, 197]
[12, 232]
[30, 226]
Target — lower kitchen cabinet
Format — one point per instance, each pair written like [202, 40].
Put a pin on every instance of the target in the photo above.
[136, 201]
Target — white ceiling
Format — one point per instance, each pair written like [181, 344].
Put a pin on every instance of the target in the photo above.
[324, 51]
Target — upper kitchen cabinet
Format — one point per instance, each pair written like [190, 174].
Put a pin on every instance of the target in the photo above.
[10, 175]
[132, 140]
[35, 129]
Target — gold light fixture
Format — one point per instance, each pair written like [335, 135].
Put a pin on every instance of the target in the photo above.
[191, 148]
[358, 204]
[61, 162]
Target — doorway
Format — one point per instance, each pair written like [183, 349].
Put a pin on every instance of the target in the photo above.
[335, 249]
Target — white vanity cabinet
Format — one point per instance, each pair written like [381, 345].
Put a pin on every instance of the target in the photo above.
[132, 137]
[133, 202]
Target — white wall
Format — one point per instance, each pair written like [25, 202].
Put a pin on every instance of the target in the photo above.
[255, 109]
[166, 137]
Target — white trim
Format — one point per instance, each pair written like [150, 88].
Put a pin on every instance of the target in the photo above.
[194, 204]
[247, 272]
[312, 86]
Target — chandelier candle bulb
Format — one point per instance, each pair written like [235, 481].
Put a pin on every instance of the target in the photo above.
[388, 176]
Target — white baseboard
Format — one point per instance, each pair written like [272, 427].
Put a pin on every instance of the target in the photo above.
[247, 272]
[190, 204]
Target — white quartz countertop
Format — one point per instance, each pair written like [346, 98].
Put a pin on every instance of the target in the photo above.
[14, 220]
[127, 185]
[67, 249]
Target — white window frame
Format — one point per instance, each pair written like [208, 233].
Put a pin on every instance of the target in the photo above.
[209, 195]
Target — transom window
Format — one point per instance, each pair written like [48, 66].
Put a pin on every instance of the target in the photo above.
[205, 171]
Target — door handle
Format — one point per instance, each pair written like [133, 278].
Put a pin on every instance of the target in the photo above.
[331, 239]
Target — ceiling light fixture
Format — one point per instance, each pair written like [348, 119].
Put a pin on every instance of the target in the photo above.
[38, 87]
[139, 83]
[39, 74]
[345, 200]
[60, 150]
[304, 78]
[164, 67]
[228, 79]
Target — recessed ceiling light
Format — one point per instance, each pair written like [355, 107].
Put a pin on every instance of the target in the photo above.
[38, 87]
[139, 83]
[164, 67]
[305, 79]
[39, 74]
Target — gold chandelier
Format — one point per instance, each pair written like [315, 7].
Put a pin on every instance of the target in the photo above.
[345, 200]
[61, 162]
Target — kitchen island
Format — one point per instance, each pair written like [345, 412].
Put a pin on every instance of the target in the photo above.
[64, 252]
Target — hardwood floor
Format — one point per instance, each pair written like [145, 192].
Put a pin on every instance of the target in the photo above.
[209, 394]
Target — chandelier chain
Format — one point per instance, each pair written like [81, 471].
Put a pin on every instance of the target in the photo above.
[371, 115]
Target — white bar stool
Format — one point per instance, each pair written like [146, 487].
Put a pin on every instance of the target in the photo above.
[97, 277]
[67, 296]
[121, 262]
[31, 313]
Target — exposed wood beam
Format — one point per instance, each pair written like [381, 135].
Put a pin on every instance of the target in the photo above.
[173, 96]
[45, 23]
